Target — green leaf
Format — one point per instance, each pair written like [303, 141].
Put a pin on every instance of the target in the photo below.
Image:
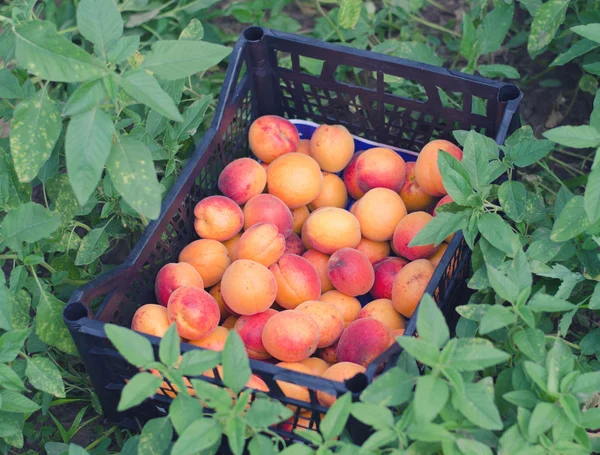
[261, 445]
[9, 379]
[473, 447]
[11, 343]
[590, 419]
[472, 354]
[498, 232]
[587, 383]
[431, 324]
[571, 222]
[87, 96]
[136, 348]
[349, 13]
[192, 117]
[50, 326]
[62, 197]
[559, 362]
[168, 349]
[46, 54]
[198, 361]
[440, 227]
[235, 429]
[546, 22]
[28, 223]
[429, 432]
[512, 196]
[265, 412]
[591, 198]
[421, 350]
[583, 136]
[336, 417]
[477, 405]
[189, 443]
[6, 307]
[183, 411]
[498, 70]
[531, 342]
[156, 436]
[392, 388]
[537, 373]
[495, 318]
[145, 88]
[93, 245]
[376, 416]
[21, 308]
[9, 85]
[576, 50]
[526, 153]
[172, 59]
[87, 147]
[588, 83]
[12, 192]
[495, 26]
[141, 386]
[426, 408]
[476, 161]
[35, 128]
[45, 376]
[133, 174]
[193, 31]
[524, 398]
[570, 408]
[469, 44]
[455, 178]
[236, 367]
[589, 31]
[11, 401]
[100, 22]
[543, 302]
[542, 418]
[74, 449]
[214, 396]
[123, 48]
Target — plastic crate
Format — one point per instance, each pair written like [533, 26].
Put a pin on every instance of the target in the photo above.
[258, 83]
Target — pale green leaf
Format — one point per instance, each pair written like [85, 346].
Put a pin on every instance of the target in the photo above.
[531, 342]
[50, 326]
[591, 198]
[145, 88]
[189, 443]
[583, 136]
[123, 48]
[498, 70]
[193, 31]
[512, 196]
[87, 96]
[9, 85]
[576, 50]
[136, 348]
[11, 343]
[156, 436]
[349, 13]
[11, 401]
[100, 22]
[93, 245]
[429, 386]
[140, 387]
[589, 31]
[472, 354]
[478, 406]
[546, 22]
[44, 375]
[542, 418]
[431, 324]
[571, 222]
[62, 197]
[236, 367]
[28, 223]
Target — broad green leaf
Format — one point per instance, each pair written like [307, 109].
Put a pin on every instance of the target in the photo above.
[531, 342]
[145, 88]
[546, 22]
[9, 85]
[45, 53]
[544, 302]
[431, 324]
[429, 386]
[192, 117]
[542, 418]
[495, 318]
[440, 227]
[589, 83]
[591, 419]
[335, 420]
[455, 178]
[576, 50]
[526, 153]
[473, 312]
[93, 245]
[236, 367]
[11, 401]
[594, 303]
[133, 174]
[136, 348]
[571, 222]
[537, 373]
[123, 48]
[171, 59]
[498, 70]
[140, 387]
[512, 442]
[425, 352]
[156, 436]
[469, 44]
[87, 147]
[21, 309]
[265, 412]
[583, 136]
[591, 198]
[498, 232]
[62, 197]
[429, 432]
[392, 388]
[589, 31]
[524, 398]
[476, 161]
[87, 96]
[587, 383]
[12, 192]
[376, 416]
[495, 26]
[50, 326]
[417, 51]
[235, 430]
[74, 449]
[11, 343]
[473, 447]
[193, 31]
[183, 411]
[261, 445]
[197, 362]
[100, 22]
[168, 350]
[559, 362]
[595, 122]
[570, 407]
[477, 405]
[9, 379]
[28, 223]
[6, 307]
[213, 396]
[44, 375]
[472, 354]
[35, 128]
[349, 13]
[512, 196]
[189, 443]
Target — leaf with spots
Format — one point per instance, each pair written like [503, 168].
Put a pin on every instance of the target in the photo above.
[9, 85]
[93, 245]
[571, 222]
[35, 129]
[546, 22]
[123, 48]
[62, 197]
[49, 324]
[28, 223]
[45, 376]
[21, 310]
[132, 172]
[12, 192]
[87, 147]
[45, 53]
[100, 22]
[145, 89]
[349, 13]
[194, 31]
[512, 196]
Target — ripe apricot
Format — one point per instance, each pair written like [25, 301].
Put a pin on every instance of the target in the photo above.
[215, 340]
[266, 208]
[380, 167]
[363, 341]
[351, 272]
[340, 372]
[375, 251]
[427, 172]
[330, 228]
[319, 261]
[385, 273]
[194, 311]
[271, 136]
[294, 245]
[294, 178]
[299, 216]
[329, 318]
[291, 390]
[250, 329]
[173, 276]
[248, 287]
[406, 230]
[414, 197]
[409, 286]
[317, 366]
[291, 336]
[332, 146]
[297, 281]
[332, 194]
[151, 319]
[436, 257]
[229, 322]
[218, 218]
[349, 306]
[378, 213]
[261, 243]
[350, 178]
[209, 257]
[232, 245]
[384, 312]
[328, 354]
[215, 291]
[303, 146]
[242, 179]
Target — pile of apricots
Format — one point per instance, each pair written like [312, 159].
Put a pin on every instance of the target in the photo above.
[281, 260]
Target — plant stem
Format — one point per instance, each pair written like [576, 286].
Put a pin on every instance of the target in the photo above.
[84, 226]
[434, 26]
[438, 6]
[572, 103]
[8, 103]
[67, 30]
[48, 267]
[9, 256]
[152, 31]
[105, 435]
[326, 17]
[568, 343]
[567, 166]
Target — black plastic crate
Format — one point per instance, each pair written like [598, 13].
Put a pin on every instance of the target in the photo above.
[258, 83]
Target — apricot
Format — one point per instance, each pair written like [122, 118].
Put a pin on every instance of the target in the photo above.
[261, 243]
[291, 336]
[296, 179]
[398, 332]
[409, 286]
[317, 366]
[232, 245]
[332, 146]
[406, 230]
[215, 291]
[414, 197]
[380, 167]
[352, 208]
[319, 261]
[173, 276]
[229, 322]
[330, 228]
[445, 200]
[339, 372]
[294, 245]
[291, 390]
[427, 172]
[329, 318]
[242, 179]
[271, 136]
[209, 257]
[333, 193]
[195, 312]
[248, 287]
[383, 311]
[375, 251]
[299, 217]
[303, 146]
[328, 354]
[363, 341]
[350, 178]
[266, 208]
[351, 272]
[436, 257]
[349, 306]
[215, 340]
[218, 218]
[151, 319]
[297, 281]
[385, 273]
[378, 213]
[250, 329]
